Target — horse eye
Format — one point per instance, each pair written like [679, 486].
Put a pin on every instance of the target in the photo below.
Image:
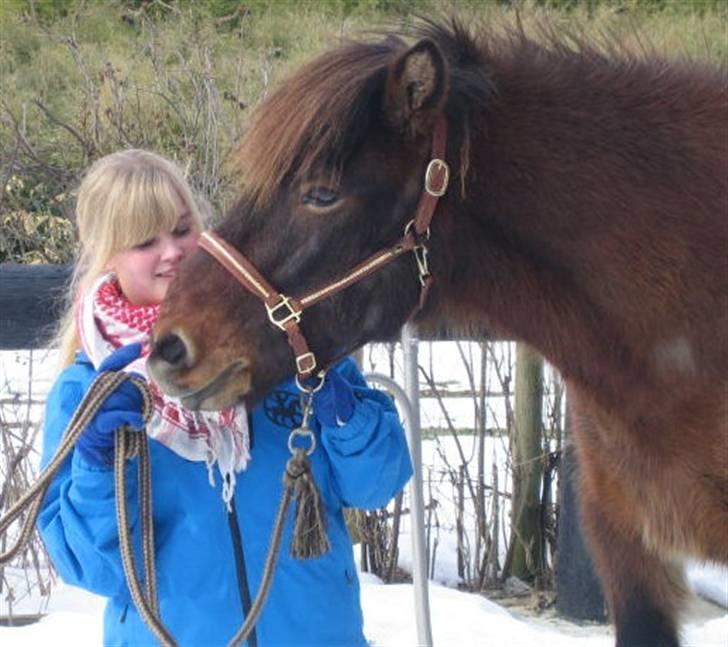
[321, 197]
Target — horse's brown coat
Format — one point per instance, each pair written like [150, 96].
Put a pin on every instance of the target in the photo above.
[588, 217]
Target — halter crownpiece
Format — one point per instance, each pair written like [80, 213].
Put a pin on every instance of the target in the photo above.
[285, 312]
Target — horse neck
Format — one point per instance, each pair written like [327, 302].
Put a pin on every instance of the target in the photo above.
[567, 203]
[504, 293]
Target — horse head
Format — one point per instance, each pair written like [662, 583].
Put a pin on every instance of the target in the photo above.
[333, 166]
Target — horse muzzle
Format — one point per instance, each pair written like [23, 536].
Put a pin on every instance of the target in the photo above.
[172, 365]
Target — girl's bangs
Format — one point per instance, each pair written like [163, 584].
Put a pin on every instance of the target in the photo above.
[148, 213]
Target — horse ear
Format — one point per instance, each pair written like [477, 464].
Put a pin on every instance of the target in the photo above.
[416, 88]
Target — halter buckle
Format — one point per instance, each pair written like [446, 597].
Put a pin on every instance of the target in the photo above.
[291, 315]
[305, 363]
[437, 169]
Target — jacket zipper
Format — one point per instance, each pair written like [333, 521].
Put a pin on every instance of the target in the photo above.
[242, 575]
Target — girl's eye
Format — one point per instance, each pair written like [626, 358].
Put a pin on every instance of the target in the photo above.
[181, 232]
[321, 197]
[146, 244]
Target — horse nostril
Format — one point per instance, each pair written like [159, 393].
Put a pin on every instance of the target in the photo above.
[171, 349]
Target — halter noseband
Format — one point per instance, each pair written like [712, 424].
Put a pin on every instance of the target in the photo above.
[285, 312]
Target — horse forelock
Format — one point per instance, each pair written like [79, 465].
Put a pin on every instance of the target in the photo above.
[310, 118]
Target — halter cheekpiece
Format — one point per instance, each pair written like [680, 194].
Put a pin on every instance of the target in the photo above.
[285, 312]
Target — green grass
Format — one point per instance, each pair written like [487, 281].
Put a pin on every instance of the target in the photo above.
[81, 79]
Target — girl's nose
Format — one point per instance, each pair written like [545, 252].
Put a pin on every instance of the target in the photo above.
[172, 249]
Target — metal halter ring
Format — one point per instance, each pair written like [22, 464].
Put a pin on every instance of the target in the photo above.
[425, 234]
[303, 433]
[310, 390]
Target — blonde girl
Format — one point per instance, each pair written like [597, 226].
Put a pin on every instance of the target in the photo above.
[125, 199]
[137, 222]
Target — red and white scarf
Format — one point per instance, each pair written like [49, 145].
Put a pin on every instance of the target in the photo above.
[106, 320]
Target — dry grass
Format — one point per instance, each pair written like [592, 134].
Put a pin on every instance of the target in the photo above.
[105, 78]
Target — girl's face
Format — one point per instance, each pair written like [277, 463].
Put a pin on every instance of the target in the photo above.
[145, 271]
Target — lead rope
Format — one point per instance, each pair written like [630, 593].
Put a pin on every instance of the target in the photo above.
[128, 444]
[309, 525]
[148, 605]
[309, 537]
[99, 390]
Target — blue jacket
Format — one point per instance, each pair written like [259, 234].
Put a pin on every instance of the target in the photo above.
[311, 602]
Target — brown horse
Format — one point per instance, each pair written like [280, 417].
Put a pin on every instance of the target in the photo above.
[586, 215]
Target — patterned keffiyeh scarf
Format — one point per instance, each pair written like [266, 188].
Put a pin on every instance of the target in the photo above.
[106, 320]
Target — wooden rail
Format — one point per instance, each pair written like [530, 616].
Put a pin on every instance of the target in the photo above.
[31, 300]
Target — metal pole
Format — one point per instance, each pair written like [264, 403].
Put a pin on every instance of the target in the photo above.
[419, 552]
[409, 402]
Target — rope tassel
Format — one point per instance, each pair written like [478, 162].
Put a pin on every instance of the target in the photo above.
[309, 526]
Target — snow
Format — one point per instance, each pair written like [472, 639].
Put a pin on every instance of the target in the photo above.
[74, 617]
[459, 619]
[710, 581]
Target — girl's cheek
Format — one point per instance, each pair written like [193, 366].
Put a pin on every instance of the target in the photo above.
[191, 244]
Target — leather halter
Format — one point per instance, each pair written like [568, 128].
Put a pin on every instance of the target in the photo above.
[285, 312]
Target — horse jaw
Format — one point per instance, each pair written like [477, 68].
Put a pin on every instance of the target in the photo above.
[227, 389]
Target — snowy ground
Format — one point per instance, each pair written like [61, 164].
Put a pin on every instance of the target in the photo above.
[459, 619]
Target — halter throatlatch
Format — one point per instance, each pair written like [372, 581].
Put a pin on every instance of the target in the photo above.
[285, 312]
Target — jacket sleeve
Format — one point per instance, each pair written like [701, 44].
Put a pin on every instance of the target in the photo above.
[77, 521]
[369, 456]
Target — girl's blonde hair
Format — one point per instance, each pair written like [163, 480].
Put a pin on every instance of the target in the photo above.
[124, 199]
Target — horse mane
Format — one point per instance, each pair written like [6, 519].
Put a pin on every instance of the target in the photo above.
[328, 94]
[337, 94]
